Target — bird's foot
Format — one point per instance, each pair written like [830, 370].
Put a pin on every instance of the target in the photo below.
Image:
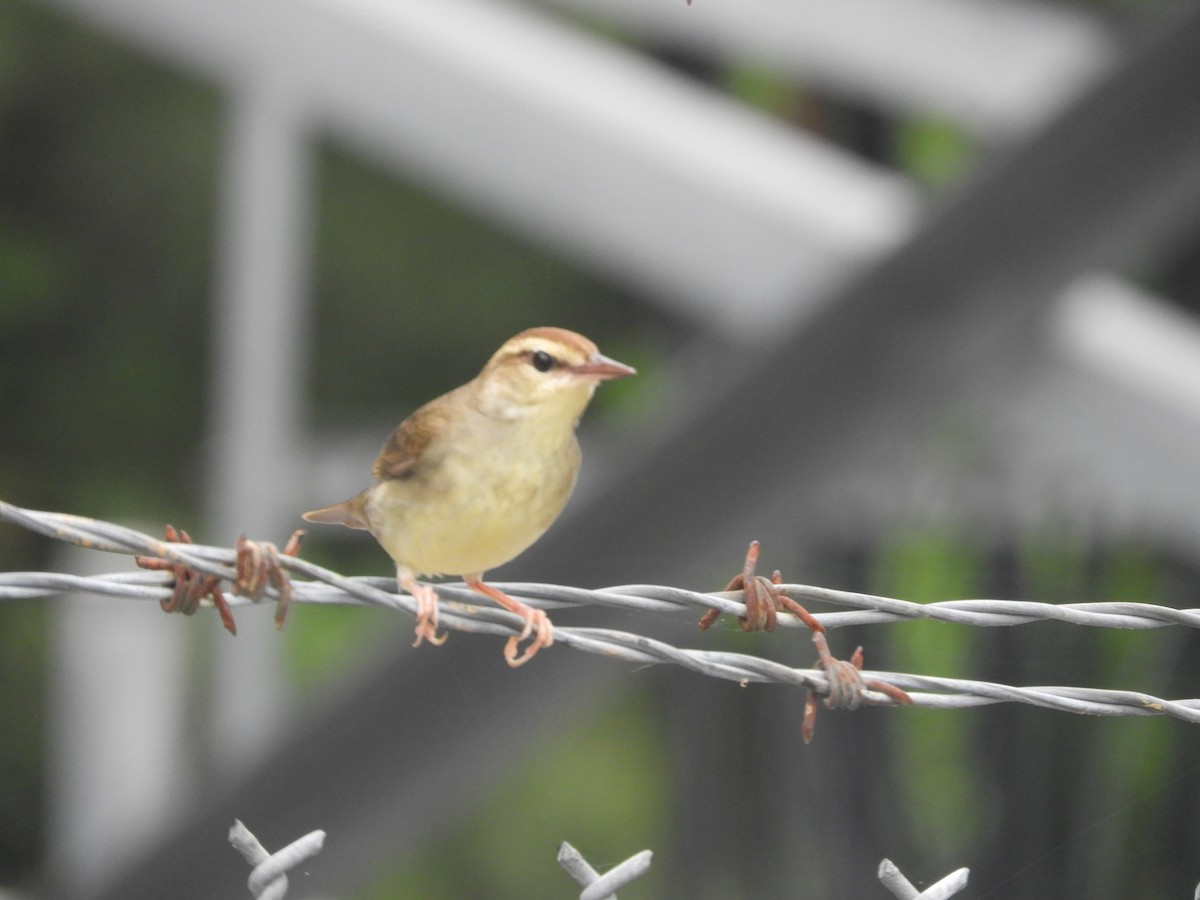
[427, 612]
[537, 625]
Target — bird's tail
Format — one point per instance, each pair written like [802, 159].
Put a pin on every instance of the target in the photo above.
[351, 513]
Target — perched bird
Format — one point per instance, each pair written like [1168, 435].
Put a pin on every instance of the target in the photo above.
[471, 479]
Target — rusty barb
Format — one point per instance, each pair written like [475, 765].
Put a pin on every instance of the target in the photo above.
[763, 598]
[189, 587]
[257, 566]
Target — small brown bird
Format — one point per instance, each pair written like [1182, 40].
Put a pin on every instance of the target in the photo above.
[473, 478]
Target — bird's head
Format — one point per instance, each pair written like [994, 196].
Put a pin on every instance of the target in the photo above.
[547, 372]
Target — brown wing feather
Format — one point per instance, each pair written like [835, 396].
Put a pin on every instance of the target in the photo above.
[405, 448]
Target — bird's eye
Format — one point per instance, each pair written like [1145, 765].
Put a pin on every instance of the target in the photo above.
[542, 361]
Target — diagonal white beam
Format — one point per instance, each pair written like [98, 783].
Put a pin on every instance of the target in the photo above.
[999, 68]
[1127, 336]
[580, 145]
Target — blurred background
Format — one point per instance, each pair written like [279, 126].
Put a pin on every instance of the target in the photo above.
[911, 287]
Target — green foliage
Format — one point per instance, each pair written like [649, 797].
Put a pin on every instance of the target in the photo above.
[941, 784]
[325, 642]
[1136, 758]
[1131, 656]
[1054, 565]
[766, 89]
[934, 151]
[1061, 798]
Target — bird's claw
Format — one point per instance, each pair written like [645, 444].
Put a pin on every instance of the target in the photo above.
[538, 629]
[537, 624]
[427, 615]
[427, 631]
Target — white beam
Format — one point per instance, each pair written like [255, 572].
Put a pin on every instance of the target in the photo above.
[120, 769]
[999, 68]
[260, 344]
[583, 146]
[1126, 336]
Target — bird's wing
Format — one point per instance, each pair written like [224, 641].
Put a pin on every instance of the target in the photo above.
[403, 451]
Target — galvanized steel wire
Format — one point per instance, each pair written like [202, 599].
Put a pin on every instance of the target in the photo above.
[461, 612]
[602, 887]
[269, 880]
[893, 879]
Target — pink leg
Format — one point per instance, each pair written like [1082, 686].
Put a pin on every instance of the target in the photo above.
[537, 623]
[427, 609]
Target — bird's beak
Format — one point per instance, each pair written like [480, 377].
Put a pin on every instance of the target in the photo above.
[603, 369]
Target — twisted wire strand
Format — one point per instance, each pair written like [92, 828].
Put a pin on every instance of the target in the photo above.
[459, 612]
[597, 886]
[893, 879]
[268, 880]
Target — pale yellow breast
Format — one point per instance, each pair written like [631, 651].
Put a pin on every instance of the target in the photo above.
[475, 507]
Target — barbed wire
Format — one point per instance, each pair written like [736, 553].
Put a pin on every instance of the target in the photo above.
[893, 879]
[460, 613]
[602, 887]
[268, 880]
